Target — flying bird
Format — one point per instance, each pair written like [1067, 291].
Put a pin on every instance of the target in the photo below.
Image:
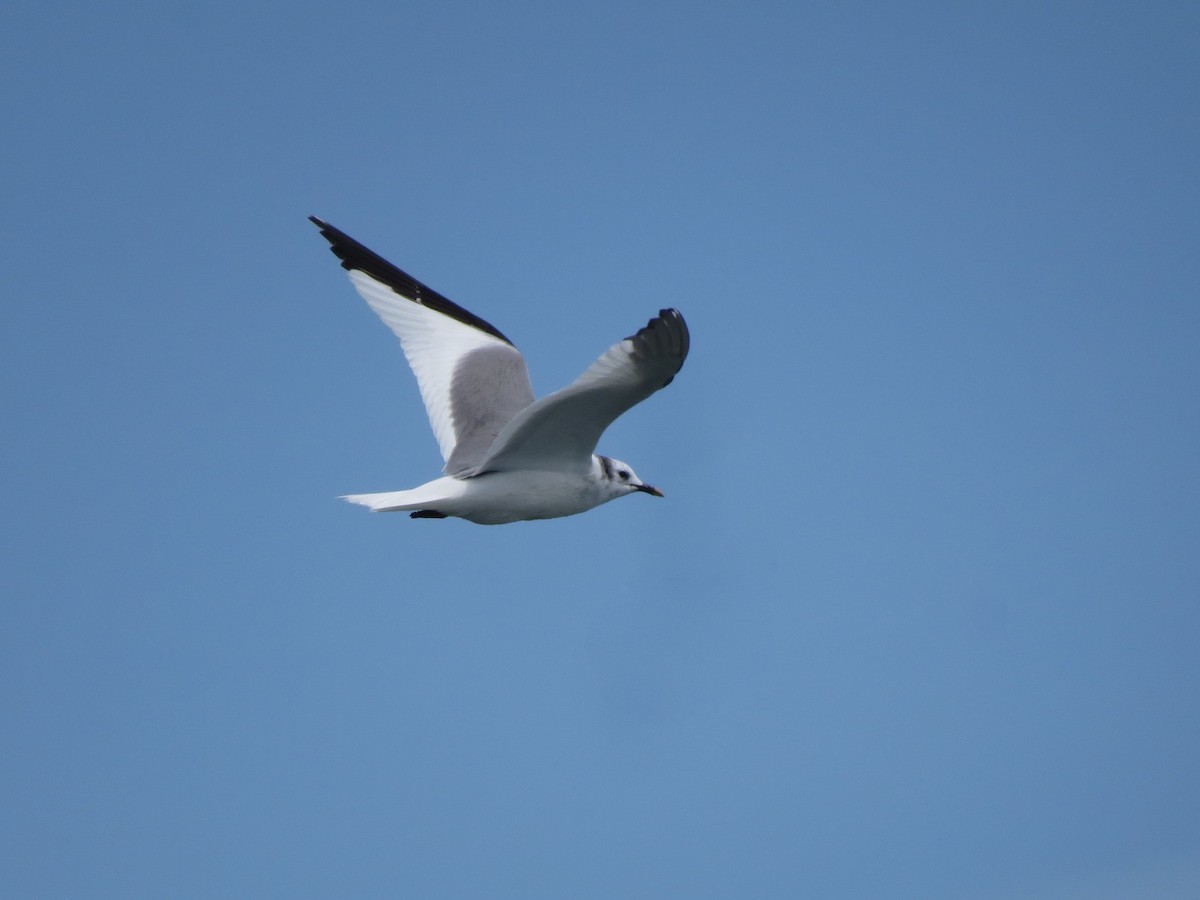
[508, 457]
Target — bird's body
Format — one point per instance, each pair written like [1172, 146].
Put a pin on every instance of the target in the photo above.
[508, 457]
[497, 498]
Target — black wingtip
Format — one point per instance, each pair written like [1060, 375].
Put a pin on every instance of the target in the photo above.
[666, 332]
[356, 257]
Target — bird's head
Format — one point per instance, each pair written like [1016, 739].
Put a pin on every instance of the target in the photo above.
[620, 479]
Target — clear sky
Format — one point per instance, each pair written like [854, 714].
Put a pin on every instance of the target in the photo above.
[919, 615]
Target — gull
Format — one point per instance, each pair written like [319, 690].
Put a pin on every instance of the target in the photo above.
[508, 458]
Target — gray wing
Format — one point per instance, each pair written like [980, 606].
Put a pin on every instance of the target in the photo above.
[560, 431]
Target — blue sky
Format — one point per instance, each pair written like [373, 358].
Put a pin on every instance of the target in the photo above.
[918, 616]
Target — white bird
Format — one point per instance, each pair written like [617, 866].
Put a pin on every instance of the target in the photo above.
[508, 457]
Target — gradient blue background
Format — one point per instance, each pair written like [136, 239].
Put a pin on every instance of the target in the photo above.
[919, 616]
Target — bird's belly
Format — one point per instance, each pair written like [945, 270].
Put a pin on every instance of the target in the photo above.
[501, 497]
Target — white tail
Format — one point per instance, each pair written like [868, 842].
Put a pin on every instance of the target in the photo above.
[389, 502]
[427, 496]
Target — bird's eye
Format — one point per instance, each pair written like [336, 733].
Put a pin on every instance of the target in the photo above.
[623, 475]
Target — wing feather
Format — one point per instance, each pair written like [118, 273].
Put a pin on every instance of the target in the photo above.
[560, 431]
[472, 379]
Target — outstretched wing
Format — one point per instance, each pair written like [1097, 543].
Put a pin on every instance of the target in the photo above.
[560, 432]
[472, 379]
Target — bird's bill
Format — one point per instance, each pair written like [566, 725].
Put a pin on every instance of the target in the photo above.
[650, 489]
